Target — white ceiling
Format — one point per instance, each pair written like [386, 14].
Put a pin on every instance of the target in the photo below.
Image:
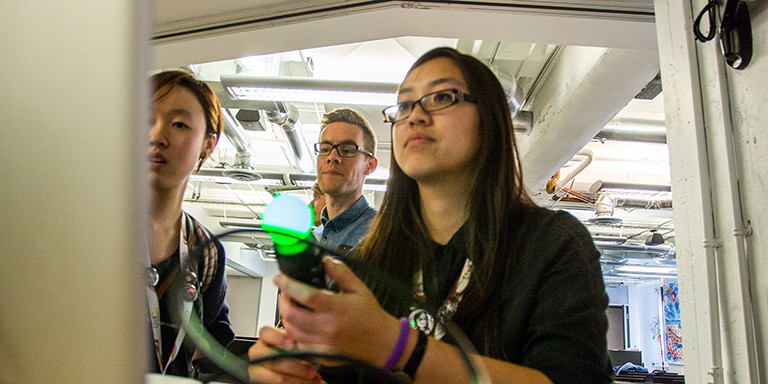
[583, 90]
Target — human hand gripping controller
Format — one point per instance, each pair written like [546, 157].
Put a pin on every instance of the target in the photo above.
[288, 221]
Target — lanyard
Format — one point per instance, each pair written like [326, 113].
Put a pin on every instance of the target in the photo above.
[154, 303]
[422, 319]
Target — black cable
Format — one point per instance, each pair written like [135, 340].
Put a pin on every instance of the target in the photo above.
[373, 372]
[237, 367]
[709, 10]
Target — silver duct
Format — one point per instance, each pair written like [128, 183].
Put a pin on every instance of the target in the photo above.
[605, 204]
[287, 117]
[625, 202]
[604, 211]
[241, 168]
[522, 122]
[661, 250]
[645, 131]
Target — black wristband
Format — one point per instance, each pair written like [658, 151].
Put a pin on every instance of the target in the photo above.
[418, 353]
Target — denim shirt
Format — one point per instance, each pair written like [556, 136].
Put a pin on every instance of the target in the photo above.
[345, 230]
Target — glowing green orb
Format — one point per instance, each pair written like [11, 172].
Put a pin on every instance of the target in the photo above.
[288, 221]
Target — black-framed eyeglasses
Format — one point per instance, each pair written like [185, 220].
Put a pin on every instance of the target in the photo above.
[343, 149]
[430, 102]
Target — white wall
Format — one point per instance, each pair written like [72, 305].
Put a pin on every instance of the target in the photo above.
[71, 202]
[251, 309]
[243, 294]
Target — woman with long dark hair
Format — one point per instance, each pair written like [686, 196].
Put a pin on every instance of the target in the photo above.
[457, 228]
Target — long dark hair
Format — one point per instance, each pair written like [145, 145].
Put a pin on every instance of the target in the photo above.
[398, 241]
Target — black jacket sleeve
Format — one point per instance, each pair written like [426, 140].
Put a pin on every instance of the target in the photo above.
[567, 325]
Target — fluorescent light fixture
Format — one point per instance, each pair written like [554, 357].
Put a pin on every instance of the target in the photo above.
[252, 224]
[646, 269]
[309, 90]
[608, 240]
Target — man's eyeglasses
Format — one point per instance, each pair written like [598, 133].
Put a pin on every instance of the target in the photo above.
[343, 149]
[430, 102]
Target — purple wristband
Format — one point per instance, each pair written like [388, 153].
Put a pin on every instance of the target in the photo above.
[402, 341]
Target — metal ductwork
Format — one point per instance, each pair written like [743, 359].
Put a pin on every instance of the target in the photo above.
[644, 131]
[241, 169]
[661, 250]
[284, 115]
[522, 122]
[629, 202]
[605, 204]
[604, 211]
[287, 117]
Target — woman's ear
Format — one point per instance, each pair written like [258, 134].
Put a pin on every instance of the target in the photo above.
[208, 145]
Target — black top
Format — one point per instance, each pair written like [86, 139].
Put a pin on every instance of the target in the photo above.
[552, 301]
[551, 305]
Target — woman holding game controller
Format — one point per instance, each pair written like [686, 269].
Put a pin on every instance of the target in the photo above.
[458, 231]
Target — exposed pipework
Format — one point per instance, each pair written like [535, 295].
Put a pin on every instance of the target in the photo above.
[284, 115]
[522, 122]
[241, 169]
[287, 117]
[605, 204]
[628, 202]
[645, 131]
[662, 250]
[604, 211]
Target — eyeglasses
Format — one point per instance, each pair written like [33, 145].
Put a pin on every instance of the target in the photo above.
[430, 102]
[343, 149]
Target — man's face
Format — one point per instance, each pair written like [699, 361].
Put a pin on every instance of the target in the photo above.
[343, 176]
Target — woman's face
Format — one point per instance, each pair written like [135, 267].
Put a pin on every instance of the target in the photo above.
[438, 145]
[177, 139]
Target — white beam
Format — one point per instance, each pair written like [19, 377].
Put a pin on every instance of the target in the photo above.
[345, 26]
[585, 90]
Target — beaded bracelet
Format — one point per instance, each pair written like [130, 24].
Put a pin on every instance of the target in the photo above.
[402, 341]
[416, 356]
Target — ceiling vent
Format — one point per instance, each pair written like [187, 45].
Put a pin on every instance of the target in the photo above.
[604, 211]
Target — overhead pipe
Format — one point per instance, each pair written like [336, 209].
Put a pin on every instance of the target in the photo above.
[633, 202]
[286, 116]
[663, 250]
[522, 120]
[604, 211]
[588, 156]
[241, 169]
[644, 131]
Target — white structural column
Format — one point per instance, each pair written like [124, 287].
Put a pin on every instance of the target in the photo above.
[717, 133]
[586, 88]
[73, 107]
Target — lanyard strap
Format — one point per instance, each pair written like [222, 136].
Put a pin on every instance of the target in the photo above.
[154, 306]
[422, 319]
